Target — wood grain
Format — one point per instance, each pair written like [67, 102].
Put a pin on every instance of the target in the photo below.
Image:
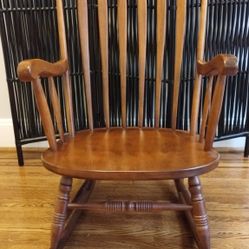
[27, 209]
[197, 81]
[29, 70]
[103, 37]
[222, 64]
[125, 154]
[122, 32]
[84, 44]
[199, 213]
[67, 88]
[56, 107]
[180, 34]
[142, 35]
[215, 111]
[133, 206]
[206, 108]
[160, 41]
[44, 111]
[60, 211]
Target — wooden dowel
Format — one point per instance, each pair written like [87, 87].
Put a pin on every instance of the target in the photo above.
[161, 32]
[130, 206]
[44, 112]
[200, 52]
[56, 107]
[66, 77]
[84, 44]
[183, 191]
[122, 32]
[206, 108]
[180, 34]
[103, 36]
[215, 111]
[142, 34]
[66, 81]
[61, 29]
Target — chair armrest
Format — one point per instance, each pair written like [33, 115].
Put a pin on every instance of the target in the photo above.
[29, 70]
[222, 64]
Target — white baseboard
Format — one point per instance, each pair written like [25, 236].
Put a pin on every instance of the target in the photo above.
[7, 138]
[238, 143]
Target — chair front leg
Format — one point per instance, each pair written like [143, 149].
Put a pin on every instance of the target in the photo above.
[60, 211]
[199, 213]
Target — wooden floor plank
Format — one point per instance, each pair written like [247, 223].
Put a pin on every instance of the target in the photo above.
[28, 194]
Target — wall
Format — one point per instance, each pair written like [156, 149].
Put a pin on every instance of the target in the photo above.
[6, 127]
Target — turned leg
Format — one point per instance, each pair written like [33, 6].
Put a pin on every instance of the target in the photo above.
[199, 213]
[60, 211]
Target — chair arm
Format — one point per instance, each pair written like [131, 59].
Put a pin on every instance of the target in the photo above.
[222, 64]
[29, 70]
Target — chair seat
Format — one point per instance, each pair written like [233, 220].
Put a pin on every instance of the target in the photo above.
[138, 154]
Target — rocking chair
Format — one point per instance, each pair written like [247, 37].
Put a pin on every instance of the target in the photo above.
[123, 153]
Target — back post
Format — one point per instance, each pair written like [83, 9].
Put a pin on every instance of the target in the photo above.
[142, 35]
[67, 88]
[198, 77]
[181, 10]
[84, 44]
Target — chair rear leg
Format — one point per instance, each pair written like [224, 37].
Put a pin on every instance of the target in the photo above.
[199, 213]
[60, 211]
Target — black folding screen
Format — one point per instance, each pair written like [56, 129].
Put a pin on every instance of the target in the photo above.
[29, 30]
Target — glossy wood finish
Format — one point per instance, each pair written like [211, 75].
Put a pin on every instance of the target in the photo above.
[29, 70]
[67, 88]
[125, 154]
[56, 106]
[60, 211]
[122, 32]
[103, 36]
[44, 111]
[180, 34]
[65, 220]
[28, 196]
[133, 154]
[130, 206]
[199, 213]
[160, 40]
[222, 64]
[197, 217]
[142, 35]
[84, 44]
[215, 111]
[198, 77]
[61, 29]
[206, 108]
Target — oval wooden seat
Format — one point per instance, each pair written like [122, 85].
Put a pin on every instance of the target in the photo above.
[130, 154]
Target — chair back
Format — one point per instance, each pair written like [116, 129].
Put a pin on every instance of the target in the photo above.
[143, 32]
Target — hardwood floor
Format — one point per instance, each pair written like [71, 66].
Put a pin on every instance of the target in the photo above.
[28, 194]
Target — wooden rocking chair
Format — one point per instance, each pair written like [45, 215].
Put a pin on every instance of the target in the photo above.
[123, 153]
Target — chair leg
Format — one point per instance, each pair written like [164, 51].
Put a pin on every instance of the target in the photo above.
[199, 213]
[60, 211]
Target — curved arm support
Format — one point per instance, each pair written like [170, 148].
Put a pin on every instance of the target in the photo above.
[29, 70]
[222, 64]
